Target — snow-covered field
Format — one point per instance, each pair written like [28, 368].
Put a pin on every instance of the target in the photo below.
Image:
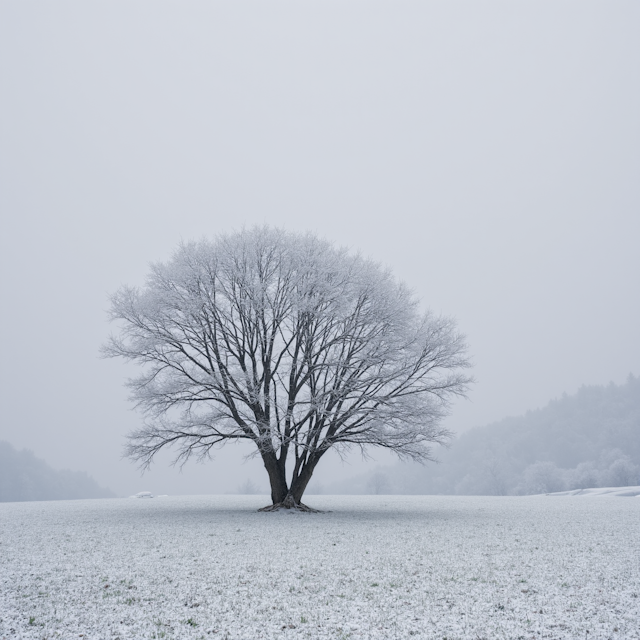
[373, 567]
[605, 492]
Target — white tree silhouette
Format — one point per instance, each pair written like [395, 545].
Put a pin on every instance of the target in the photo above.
[288, 342]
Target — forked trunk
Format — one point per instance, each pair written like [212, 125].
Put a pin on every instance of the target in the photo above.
[283, 497]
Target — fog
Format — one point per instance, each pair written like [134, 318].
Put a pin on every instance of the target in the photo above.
[488, 153]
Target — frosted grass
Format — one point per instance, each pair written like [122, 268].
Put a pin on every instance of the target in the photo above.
[374, 567]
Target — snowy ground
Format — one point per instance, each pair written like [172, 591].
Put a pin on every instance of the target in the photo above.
[374, 567]
[606, 492]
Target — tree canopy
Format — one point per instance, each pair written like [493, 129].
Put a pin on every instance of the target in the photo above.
[291, 343]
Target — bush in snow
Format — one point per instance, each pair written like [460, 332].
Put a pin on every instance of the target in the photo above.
[542, 477]
[585, 476]
[622, 473]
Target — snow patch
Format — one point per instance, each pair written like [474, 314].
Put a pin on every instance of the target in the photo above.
[609, 492]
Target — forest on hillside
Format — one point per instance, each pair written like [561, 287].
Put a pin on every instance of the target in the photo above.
[24, 477]
[590, 439]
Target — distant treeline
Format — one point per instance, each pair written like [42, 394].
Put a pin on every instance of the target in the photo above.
[25, 477]
[590, 439]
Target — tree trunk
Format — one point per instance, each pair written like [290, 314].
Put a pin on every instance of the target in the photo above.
[277, 478]
[283, 497]
[299, 484]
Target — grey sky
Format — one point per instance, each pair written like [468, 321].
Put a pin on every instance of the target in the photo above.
[489, 153]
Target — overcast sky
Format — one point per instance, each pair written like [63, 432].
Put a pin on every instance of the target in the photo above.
[488, 152]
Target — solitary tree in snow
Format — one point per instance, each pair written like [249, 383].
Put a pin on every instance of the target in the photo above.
[290, 343]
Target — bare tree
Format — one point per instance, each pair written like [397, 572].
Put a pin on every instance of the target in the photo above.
[378, 482]
[542, 477]
[495, 475]
[288, 342]
[248, 488]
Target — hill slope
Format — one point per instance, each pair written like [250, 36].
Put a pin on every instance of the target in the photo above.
[590, 439]
[24, 477]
